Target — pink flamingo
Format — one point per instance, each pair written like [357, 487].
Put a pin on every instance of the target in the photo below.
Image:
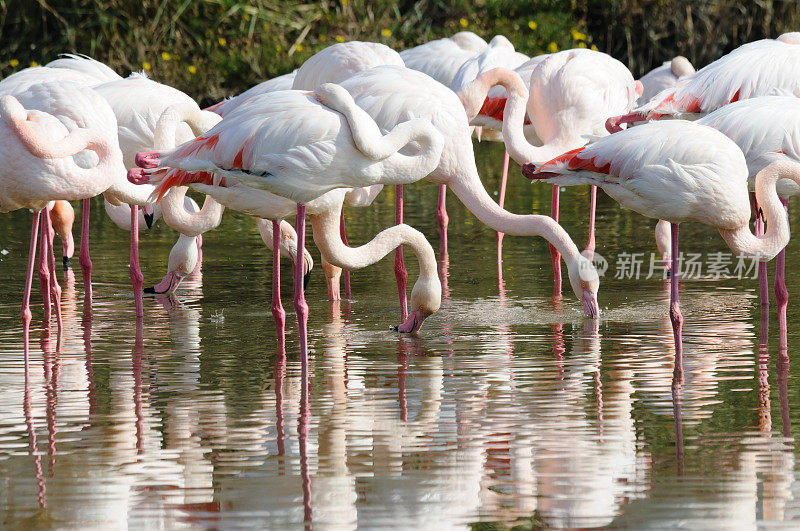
[391, 95]
[775, 131]
[571, 95]
[321, 151]
[75, 69]
[680, 171]
[43, 160]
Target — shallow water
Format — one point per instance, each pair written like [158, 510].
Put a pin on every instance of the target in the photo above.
[506, 408]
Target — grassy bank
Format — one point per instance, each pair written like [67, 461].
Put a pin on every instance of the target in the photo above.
[214, 48]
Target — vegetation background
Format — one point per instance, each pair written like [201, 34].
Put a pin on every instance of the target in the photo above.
[215, 48]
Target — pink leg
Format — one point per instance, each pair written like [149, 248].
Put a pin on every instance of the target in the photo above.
[400, 272]
[675, 314]
[343, 232]
[83, 256]
[278, 313]
[26, 296]
[763, 281]
[501, 202]
[442, 219]
[590, 246]
[300, 305]
[781, 293]
[136, 272]
[55, 288]
[44, 268]
[555, 256]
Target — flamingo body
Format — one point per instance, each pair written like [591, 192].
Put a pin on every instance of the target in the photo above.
[442, 58]
[340, 61]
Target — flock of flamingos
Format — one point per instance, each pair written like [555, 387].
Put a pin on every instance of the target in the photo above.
[358, 115]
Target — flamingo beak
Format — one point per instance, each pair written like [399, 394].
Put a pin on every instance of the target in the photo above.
[412, 324]
[306, 275]
[167, 285]
[149, 214]
[590, 307]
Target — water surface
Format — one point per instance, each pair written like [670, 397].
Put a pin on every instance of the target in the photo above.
[507, 408]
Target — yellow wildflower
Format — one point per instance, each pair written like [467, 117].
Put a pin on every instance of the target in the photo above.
[594, 48]
[552, 47]
[581, 45]
[323, 38]
[386, 32]
[222, 41]
[532, 24]
[192, 69]
[345, 2]
[339, 38]
[577, 35]
[464, 22]
[246, 17]
[299, 47]
[147, 66]
[13, 63]
[165, 56]
[34, 63]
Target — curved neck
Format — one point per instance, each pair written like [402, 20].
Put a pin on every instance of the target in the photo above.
[470, 191]
[367, 138]
[329, 241]
[189, 223]
[172, 205]
[766, 247]
[474, 94]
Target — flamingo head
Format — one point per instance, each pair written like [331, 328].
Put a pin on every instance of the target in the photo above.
[182, 261]
[585, 282]
[426, 298]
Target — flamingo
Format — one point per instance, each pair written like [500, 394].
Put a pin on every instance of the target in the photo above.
[296, 146]
[392, 95]
[442, 58]
[43, 160]
[762, 68]
[571, 95]
[680, 171]
[664, 77]
[775, 131]
[77, 69]
[227, 105]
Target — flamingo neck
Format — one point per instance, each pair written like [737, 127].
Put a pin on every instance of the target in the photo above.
[766, 247]
[188, 223]
[473, 195]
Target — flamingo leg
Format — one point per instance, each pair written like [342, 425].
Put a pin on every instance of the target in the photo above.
[343, 232]
[278, 313]
[675, 314]
[83, 254]
[501, 202]
[781, 293]
[400, 272]
[300, 305]
[590, 245]
[442, 219]
[26, 296]
[763, 281]
[44, 268]
[55, 288]
[136, 273]
[555, 256]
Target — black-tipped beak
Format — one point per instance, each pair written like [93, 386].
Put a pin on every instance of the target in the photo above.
[149, 291]
[529, 170]
[67, 261]
[306, 276]
[148, 219]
